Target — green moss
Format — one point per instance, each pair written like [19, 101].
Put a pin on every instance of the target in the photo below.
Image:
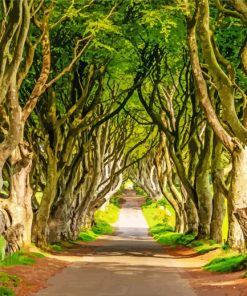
[4, 291]
[2, 247]
[9, 279]
[227, 264]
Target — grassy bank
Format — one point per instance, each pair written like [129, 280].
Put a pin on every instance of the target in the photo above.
[160, 217]
[161, 220]
[103, 220]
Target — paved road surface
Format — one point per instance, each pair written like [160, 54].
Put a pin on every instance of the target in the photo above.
[129, 264]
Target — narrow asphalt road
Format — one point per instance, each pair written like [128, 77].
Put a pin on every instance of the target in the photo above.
[129, 263]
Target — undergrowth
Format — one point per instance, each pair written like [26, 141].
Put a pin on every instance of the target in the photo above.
[4, 291]
[103, 220]
[227, 264]
[160, 218]
[9, 279]
[56, 247]
[21, 258]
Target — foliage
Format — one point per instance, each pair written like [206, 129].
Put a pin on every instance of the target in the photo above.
[4, 291]
[227, 264]
[139, 190]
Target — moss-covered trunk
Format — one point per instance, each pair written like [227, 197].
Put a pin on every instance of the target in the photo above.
[203, 186]
[40, 224]
[219, 207]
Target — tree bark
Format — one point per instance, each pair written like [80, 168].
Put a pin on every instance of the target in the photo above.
[203, 186]
[237, 197]
[219, 207]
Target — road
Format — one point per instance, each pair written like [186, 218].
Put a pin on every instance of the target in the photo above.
[128, 263]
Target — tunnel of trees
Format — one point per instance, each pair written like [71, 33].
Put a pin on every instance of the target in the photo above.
[95, 92]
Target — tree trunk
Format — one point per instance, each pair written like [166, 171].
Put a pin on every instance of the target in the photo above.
[219, 208]
[237, 197]
[40, 224]
[203, 186]
[17, 208]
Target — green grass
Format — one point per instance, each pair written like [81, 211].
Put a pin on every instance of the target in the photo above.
[227, 264]
[4, 291]
[174, 238]
[204, 246]
[56, 247]
[103, 221]
[87, 235]
[20, 258]
[9, 279]
[162, 225]
[157, 213]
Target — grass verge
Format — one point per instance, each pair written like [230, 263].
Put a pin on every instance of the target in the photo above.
[20, 258]
[227, 264]
[103, 221]
[161, 221]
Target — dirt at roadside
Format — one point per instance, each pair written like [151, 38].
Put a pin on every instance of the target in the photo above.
[207, 283]
[34, 277]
